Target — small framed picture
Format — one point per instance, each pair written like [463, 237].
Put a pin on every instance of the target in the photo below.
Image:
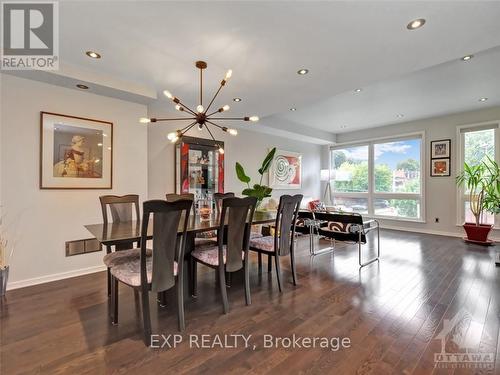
[75, 152]
[440, 149]
[440, 167]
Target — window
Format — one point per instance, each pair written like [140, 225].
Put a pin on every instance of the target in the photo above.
[379, 178]
[476, 144]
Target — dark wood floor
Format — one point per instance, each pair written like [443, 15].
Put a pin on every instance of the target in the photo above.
[391, 311]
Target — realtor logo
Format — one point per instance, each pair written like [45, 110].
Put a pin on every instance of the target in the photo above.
[30, 35]
[456, 351]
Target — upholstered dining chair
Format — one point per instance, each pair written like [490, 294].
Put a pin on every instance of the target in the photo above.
[281, 243]
[122, 209]
[237, 215]
[164, 269]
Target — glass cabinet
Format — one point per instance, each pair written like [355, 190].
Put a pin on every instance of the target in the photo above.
[199, 168]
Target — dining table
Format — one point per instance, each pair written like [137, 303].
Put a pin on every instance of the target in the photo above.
[126, 232]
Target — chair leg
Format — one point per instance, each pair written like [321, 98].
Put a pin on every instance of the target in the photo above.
[180, 304]
[222, 283]
[292, 261]
[162, 299]
[278, 271]
[248, 299]
[194, 277]
[146, 317]
[269, 263]
[109, 282]
[114, 300]
[259, 257]
[228, 279]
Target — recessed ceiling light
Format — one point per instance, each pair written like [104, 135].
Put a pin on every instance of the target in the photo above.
[93, 54]
[236, 99]
[358, 90]
[467, 57]
[83, 87]
[416, 24]
[303, 71]
[293, 109]
[483, 99]
[400, 115]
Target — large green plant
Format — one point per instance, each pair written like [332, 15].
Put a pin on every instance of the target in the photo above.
[258, 191]
[482, 183]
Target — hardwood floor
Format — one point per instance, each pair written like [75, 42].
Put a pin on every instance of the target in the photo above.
[391, 311]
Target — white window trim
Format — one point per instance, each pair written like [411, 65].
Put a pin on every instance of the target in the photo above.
[495, 124]
[371, 194]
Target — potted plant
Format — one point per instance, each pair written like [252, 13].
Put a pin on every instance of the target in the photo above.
[482, 182]
[259, 190]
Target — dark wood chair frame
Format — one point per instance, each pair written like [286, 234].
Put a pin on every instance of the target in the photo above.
[236, 232]
[173, 197]
[110, 201]
[357, 231]
[172, 247]
[284, 234]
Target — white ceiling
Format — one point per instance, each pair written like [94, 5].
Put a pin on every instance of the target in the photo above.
[344, 44]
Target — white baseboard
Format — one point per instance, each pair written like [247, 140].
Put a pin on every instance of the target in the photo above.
[54, 277]
[430, 231]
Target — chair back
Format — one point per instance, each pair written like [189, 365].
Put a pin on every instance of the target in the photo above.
[286, 219]
[218, 197]
[339, 225]
[121, 207]
[168, 219]
[172, 197]
[237, 213]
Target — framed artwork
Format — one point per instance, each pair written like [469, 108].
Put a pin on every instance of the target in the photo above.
[75, 152]
[286, 170]
[441, 149]
[440, 167]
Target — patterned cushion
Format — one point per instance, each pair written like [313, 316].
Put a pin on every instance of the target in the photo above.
[263, 243]
[334, 226]
[120, 256]
[129, 272]
[210, 255]
[255, 235]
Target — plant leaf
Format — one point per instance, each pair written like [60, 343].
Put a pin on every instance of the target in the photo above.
[267, 161]
[240, 172]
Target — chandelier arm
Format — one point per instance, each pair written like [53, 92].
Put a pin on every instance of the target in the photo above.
[185, 129]
[175, 119]
[214, 124]
[228, 118]
[185, 106]
[217, 93]
[210, 133]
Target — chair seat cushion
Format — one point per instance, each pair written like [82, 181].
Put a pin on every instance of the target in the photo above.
[263, 243]
[129, 272]
[120, 256]
[255, 235]
[210, 255]
[205, 242]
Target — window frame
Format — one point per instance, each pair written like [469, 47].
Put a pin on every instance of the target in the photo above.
[461, 197]
[371, 195]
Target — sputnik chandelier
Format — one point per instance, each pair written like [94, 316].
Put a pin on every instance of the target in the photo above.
[202, 117]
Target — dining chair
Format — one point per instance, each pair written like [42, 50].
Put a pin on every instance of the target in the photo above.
[281, 243]
[122, 209]
[173, 197]
[236, 217]
[164, 269]
[218, 197]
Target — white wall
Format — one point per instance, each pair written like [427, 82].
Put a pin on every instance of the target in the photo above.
[248, 147]
[440, 192]
[45, 219]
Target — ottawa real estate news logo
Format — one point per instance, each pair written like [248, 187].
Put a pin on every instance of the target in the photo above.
[30, 35]
[457, 350]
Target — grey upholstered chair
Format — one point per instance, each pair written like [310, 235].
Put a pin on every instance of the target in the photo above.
[282, 242]
[237, 215]
[164, 269]
[122, 209]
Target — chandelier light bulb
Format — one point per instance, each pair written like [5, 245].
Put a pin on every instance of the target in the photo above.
[200, 108]
[144, 120]
[229, 73]
[225, 108]
[168, 94]
[221, 150]
[171, 136]
[232, 131]
[254, 118]
[200, 127]
[179, 107]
